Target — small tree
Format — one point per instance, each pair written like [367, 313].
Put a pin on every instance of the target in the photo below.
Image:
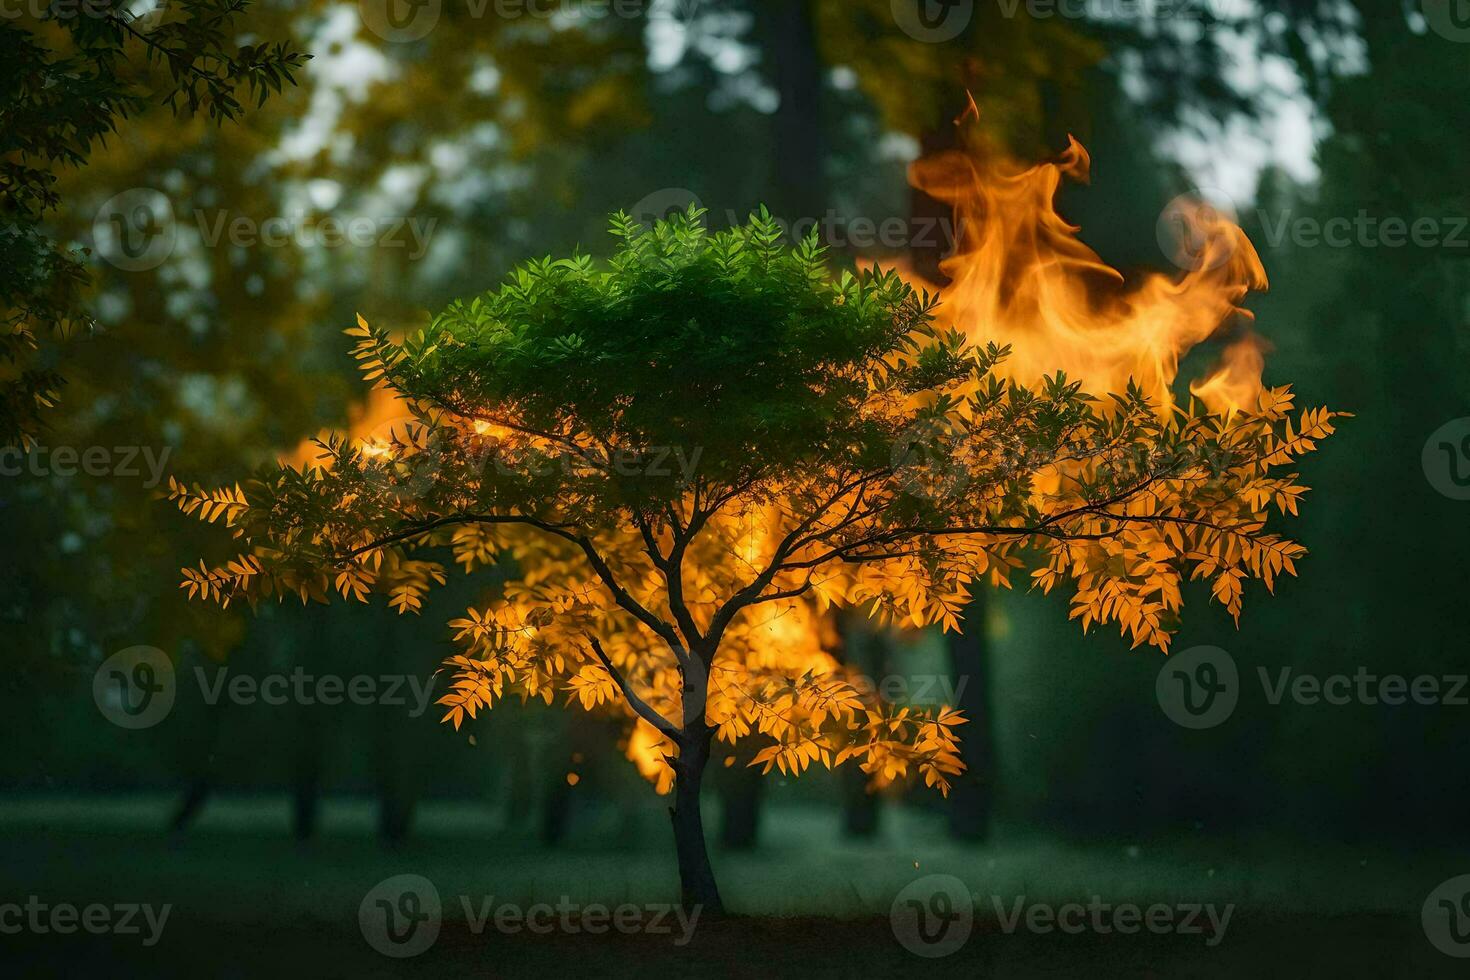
[683, 454]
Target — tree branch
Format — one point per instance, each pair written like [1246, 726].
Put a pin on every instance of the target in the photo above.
[641, 707]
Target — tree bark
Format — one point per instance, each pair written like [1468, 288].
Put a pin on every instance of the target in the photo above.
[972, 801]
[800, 139]
[740, 800]
[860, 646]
[697, 885]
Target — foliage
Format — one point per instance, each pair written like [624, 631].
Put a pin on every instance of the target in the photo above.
[68, 78]
[850, 452]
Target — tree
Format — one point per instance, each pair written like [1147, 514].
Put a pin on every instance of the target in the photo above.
[69, 77]
[688, 451]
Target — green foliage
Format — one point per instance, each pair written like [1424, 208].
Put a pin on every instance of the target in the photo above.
[885, 459]
[729, 348]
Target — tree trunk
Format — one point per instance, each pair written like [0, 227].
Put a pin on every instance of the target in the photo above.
[740, 800]
[862, 647]
[799, 189]
[696, 877]
[972, 801]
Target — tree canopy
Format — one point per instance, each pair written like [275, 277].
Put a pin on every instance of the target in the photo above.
[710, 424]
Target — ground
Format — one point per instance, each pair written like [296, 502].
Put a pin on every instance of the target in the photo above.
[246, 900]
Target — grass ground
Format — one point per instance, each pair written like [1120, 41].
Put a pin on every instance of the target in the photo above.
[247, 901]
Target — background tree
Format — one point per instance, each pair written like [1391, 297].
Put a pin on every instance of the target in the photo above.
[849, 452]
[68, 79]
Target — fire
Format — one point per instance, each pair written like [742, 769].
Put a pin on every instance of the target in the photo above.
[1021, 276]
[372, 423]
[1236, 382]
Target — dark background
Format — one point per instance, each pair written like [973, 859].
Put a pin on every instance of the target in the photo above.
[517, 135]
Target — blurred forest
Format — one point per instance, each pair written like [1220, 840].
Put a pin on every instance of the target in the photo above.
[503, 138]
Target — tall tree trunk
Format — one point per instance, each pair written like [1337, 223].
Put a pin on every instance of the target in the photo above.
[397, 649]
[741, 792]
[800, 186]
[696, 877]
[862, 647]
[971, 801]
[797, 191]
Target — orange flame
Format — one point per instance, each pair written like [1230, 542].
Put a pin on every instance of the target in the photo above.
[1021, 276]
[372, 423]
